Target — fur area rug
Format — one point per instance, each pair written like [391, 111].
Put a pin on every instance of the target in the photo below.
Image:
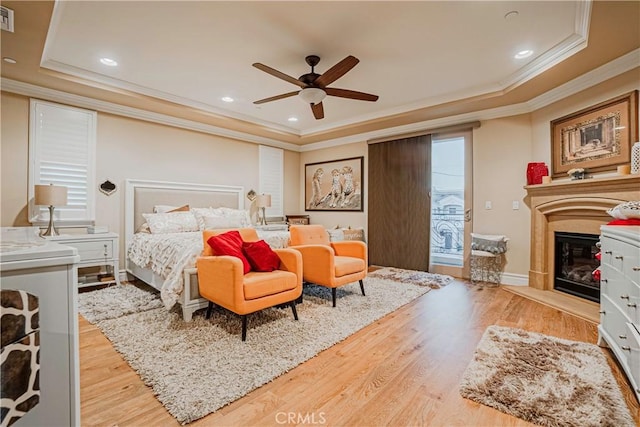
[414, 277]
[544, 380]
[195, 368]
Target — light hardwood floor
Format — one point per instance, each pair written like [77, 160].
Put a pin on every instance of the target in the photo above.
[403, 370]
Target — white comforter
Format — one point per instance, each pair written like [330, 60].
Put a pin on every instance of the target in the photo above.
[168, 255]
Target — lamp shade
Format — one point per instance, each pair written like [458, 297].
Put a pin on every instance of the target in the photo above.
[312, 95]
[50, 195]
[263, 201]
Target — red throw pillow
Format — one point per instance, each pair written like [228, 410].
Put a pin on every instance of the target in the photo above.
[261, 256]
[229, 243]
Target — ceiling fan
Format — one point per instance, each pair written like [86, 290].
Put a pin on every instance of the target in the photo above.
[314, 86]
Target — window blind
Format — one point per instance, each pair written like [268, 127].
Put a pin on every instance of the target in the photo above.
[271, 176]
[62, 143]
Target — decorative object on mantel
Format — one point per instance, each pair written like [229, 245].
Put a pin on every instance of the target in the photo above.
[624, 169]
[108, 187]
[635, 158]
[535, 172]
[576, 173]
[597, 138]
[546, 179]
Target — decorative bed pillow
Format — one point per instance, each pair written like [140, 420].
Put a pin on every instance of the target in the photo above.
[144, 228]
[167, 208]
[626, 210]
[261, 256]
[201, 213]
[495, 244]
[216, 222]
[353, 234]
[171, 222]
[229, 243]
[241, 215]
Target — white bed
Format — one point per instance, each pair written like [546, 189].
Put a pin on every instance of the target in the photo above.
[167, 261]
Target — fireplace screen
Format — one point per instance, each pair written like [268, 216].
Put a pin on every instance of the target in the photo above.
[575, 261]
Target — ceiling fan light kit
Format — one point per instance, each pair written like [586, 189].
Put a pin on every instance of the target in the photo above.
[314, 86]
[312, 95]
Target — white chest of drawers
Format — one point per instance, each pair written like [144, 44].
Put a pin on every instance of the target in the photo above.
[620, 298]
[95, 250]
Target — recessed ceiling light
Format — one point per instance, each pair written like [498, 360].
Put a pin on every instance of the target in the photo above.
[9, 60]
[293, 119]
[523, 54]
[227, 99]
[110, 62]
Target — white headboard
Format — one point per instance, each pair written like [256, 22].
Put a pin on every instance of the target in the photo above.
[141, 196]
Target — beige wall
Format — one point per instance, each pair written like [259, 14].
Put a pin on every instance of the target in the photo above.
[128, 148]
[501, 151]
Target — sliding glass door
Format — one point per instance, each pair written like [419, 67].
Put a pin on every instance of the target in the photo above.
[451, 201]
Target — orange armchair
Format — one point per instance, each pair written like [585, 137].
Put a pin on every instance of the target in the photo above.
[222, 281]
[330, 264]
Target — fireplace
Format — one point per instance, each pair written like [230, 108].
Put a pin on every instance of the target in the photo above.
[565, 206]
[575, 260]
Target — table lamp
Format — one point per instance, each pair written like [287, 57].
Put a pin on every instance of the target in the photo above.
[263, 201]
[50, 195]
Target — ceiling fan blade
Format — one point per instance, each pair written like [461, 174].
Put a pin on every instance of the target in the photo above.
[279, 74]
[275, 98]
[351, 94]
[318, 110]
[337, 71]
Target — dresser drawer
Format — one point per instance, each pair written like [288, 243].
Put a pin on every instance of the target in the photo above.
[621, 256]
[634, 355]
[615, 323]
[617, 287]
[94, 251]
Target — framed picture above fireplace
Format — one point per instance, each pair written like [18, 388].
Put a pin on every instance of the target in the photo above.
[597, 138]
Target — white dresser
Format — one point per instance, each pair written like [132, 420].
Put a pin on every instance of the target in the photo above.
[620, 298]
[49, 271]
[95, 250]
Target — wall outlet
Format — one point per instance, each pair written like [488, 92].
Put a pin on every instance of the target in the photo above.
[487, 204]
[515, 205]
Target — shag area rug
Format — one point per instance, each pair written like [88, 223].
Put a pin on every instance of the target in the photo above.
[544, 380]
[195, 368]
[420, 278]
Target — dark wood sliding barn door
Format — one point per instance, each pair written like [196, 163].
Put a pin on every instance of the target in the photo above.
[399, 205]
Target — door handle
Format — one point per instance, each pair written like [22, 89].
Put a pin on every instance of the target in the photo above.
[467, 215]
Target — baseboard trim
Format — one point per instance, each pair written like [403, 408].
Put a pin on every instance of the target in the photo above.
[514, 279]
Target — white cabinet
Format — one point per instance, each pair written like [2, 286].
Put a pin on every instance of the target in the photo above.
[620, 298]
[49, 271]
[95, 250]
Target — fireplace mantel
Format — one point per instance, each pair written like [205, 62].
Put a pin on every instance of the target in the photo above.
[627, 183]
[569, 206]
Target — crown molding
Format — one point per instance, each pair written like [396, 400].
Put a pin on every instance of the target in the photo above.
[48, 94]
[612, 69]
[598, 75]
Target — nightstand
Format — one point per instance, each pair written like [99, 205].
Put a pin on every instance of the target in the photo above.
[95, 250]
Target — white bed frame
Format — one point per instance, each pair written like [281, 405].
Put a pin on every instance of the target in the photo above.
[141, 196]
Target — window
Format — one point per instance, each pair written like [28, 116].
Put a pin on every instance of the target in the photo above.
[271, 176]
[62, 143]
